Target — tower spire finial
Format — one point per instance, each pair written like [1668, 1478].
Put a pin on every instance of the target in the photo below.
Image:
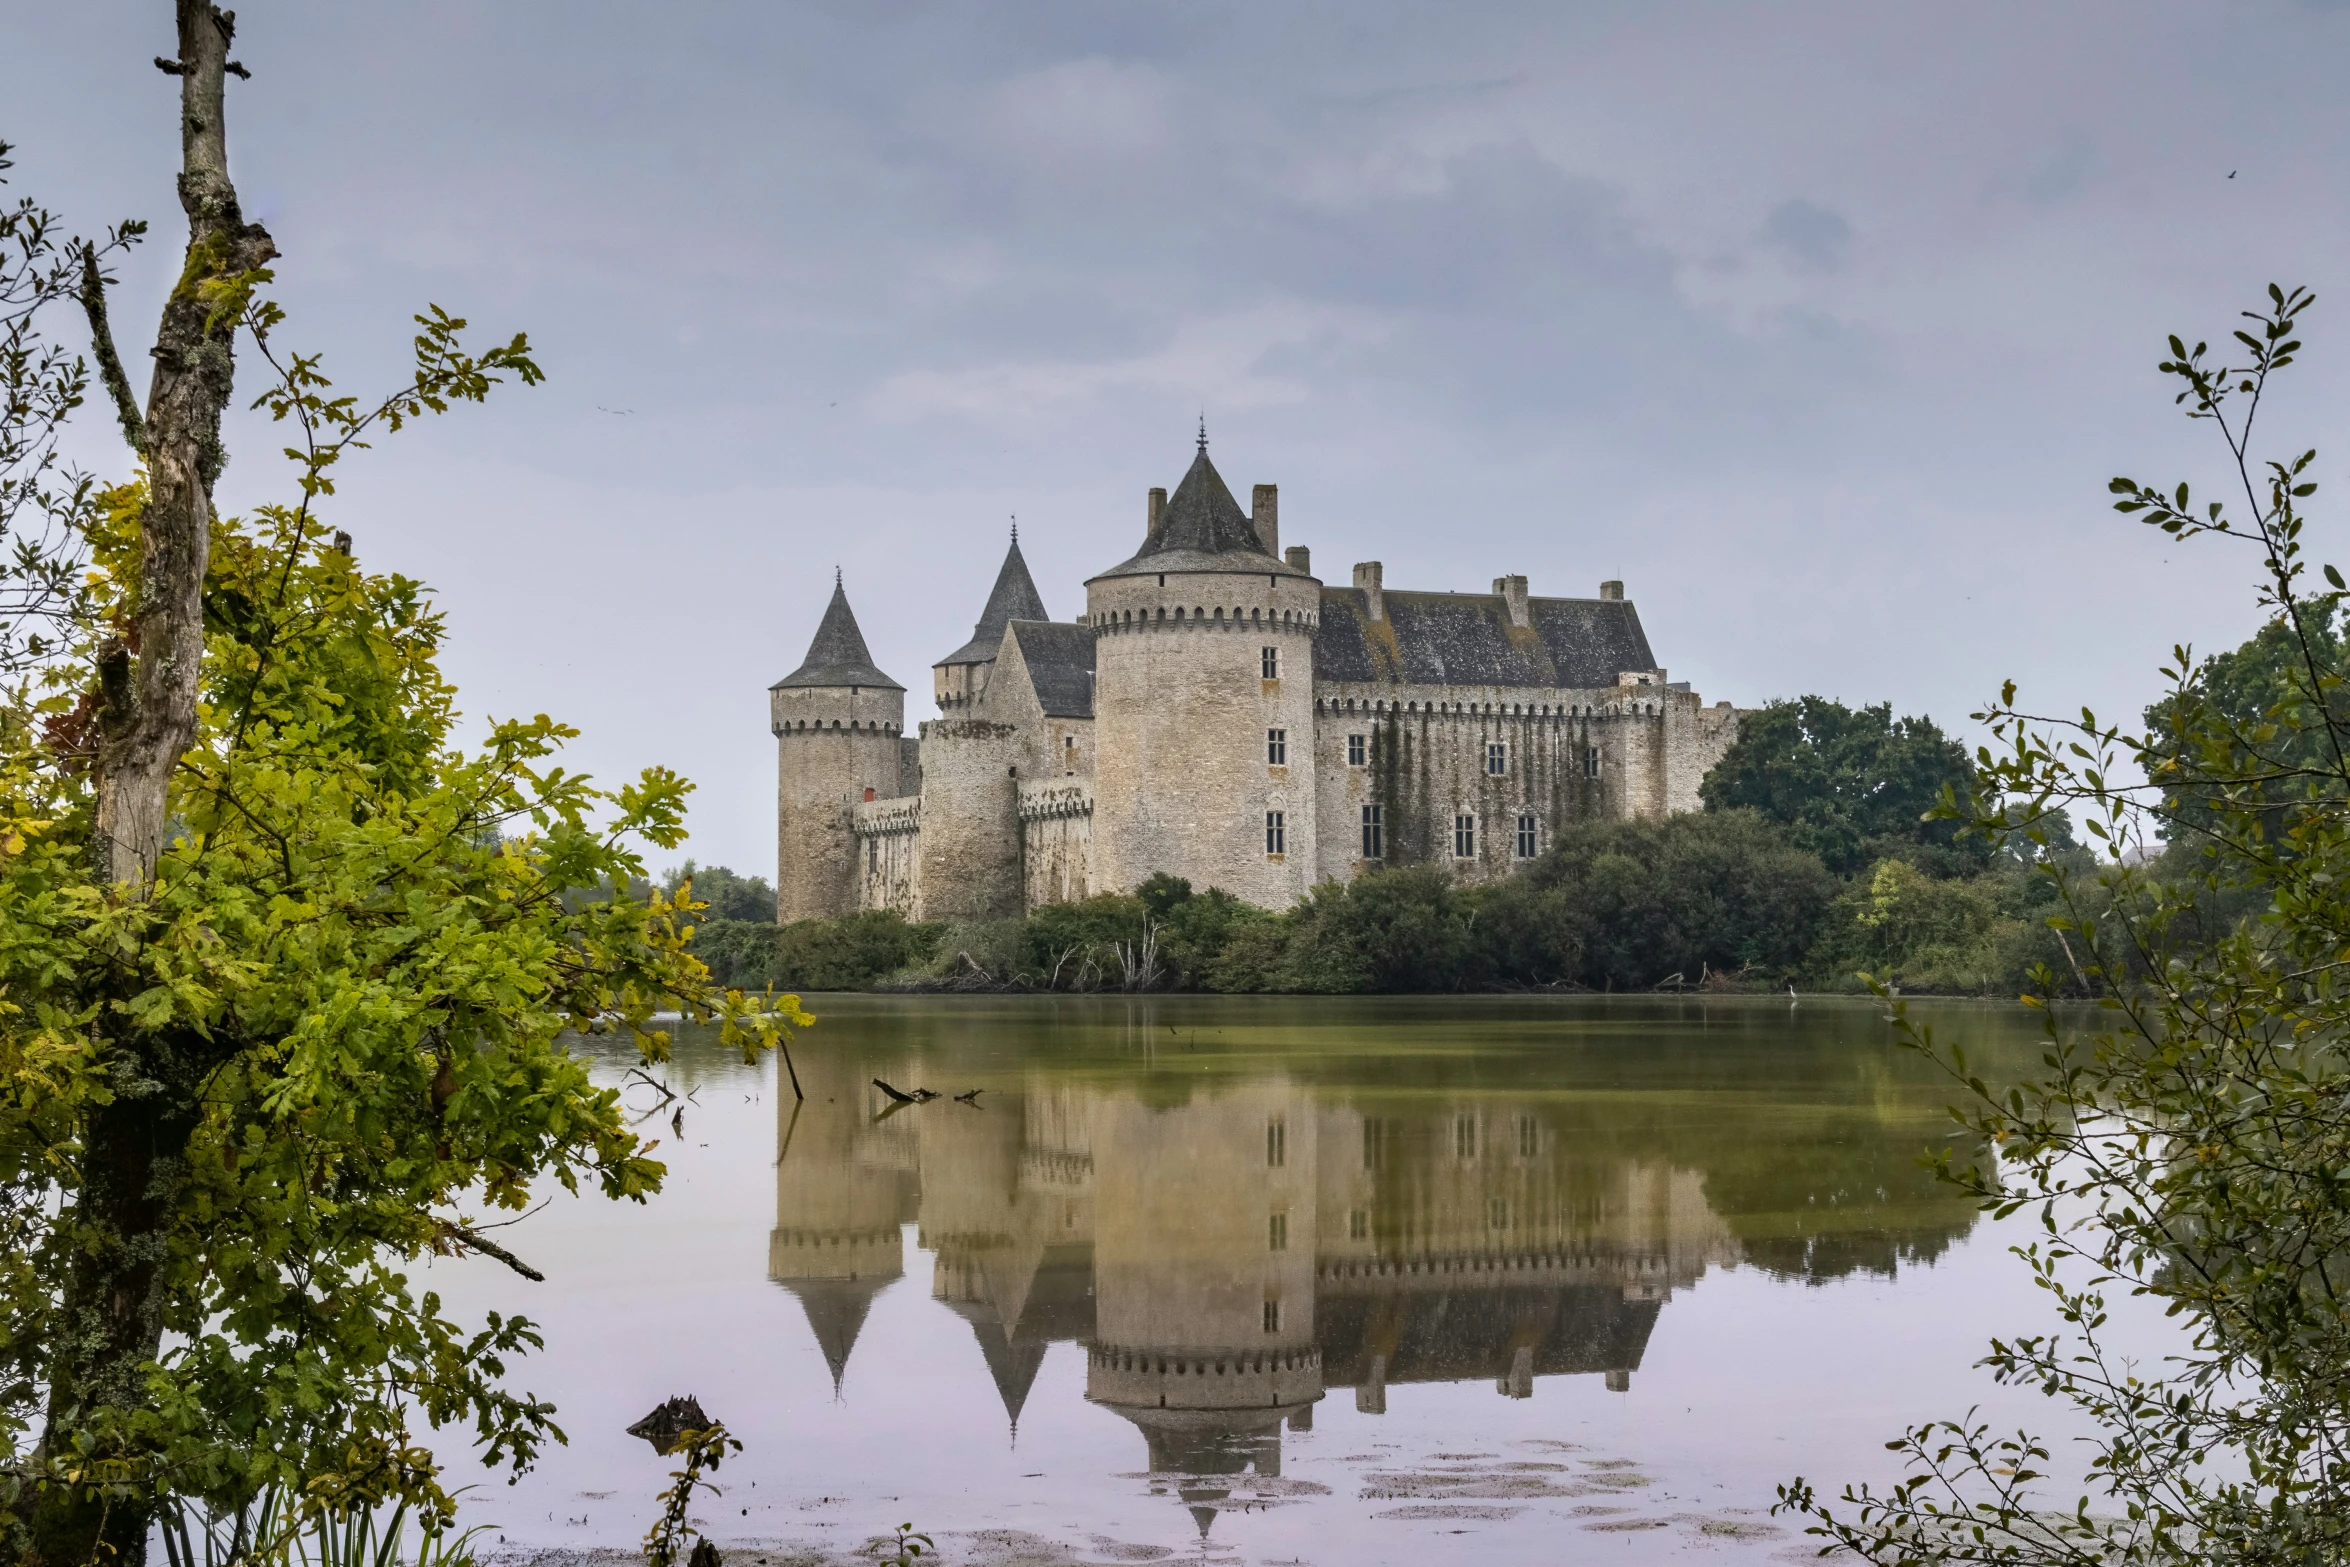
[1203, 432]
[1015, 527]
[836, 576]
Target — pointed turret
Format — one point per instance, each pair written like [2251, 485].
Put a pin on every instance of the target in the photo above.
[960, 677]
[836, 654]
[838, 720]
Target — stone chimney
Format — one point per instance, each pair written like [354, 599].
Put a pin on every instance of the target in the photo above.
[1300, 557]
[1158, 504]
[1367, 579]
[1512, 591]
[1264, 509]
[1611, 592]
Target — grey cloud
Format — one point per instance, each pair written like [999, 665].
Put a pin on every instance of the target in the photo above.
[1815, 236]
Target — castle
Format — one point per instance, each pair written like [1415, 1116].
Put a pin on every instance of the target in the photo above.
[1219, 714]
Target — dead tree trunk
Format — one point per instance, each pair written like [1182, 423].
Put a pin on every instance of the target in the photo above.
[148, 682]
[135, 1150]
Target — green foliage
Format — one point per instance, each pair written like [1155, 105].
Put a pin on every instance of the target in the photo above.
[335, 1022]
[1851, 784]
[727, 896]
[1719, 892]
[2232, 702]
[2193, 1145]
[703, 1450]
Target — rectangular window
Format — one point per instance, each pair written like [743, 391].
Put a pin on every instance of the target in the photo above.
[1464, 837]
[1374, 1144]
[1276, 835]
[1497, 759]
[1276, 1144]
[1277, 1232]
[872, 855]
[1529, 836]
[1357, 753]
[1591, 761]
[1272, 663]
[1276, 748]
[1358, 1225]
[1464, 1137]
[1497, 1214]
[1272, 1316]
[1529, 1137]
[1374, 835]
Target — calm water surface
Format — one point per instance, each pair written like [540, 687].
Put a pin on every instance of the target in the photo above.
[1424, 1280]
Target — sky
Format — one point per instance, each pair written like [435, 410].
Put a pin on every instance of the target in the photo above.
[1822, 326]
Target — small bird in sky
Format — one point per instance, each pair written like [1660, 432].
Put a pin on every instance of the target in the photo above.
[2231, 174]
[600, 408]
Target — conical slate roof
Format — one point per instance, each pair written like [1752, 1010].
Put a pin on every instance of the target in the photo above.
[837, 656]
[1203, 529]
[1014, 597]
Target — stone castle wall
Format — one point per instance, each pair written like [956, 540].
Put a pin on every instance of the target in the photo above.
[834, 749]
[889, 853]
[1056, 840]
[969, 856]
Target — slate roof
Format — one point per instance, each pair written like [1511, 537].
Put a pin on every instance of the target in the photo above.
[837, 655]
[1466, 639]
[1203, 528]
[1014, 597]
[1060, 665]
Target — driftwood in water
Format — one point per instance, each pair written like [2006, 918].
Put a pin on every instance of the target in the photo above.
[918, 1096]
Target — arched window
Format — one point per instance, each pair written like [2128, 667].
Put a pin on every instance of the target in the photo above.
[1179, 614]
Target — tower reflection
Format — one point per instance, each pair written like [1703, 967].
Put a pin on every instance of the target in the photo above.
[1229, 1259]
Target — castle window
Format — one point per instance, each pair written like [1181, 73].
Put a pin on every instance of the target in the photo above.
[1464, 1137]
[1464, 837]
[1277, 748]
[1374, 1144]
[1591, 761]
[1276, 835]
[1276, 1143]
[1357, 751]
[872, 855]
[1374, 834]
[1358, 1225]
[1497, 1214]
[1529, 1137]
[1272, 1316]
[1277, 1232]
[1270, 662]
[1497, 759]
[1528, 835]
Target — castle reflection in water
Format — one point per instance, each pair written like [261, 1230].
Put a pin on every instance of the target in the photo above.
[1231, 1259]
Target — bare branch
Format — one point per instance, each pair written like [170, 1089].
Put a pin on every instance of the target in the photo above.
[118, 385]
[489, 1248]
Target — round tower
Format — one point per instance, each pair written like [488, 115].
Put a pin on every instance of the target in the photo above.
[1204, 700]
[838, 725]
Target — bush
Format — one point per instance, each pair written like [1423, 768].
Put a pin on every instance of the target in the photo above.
[1630, 904]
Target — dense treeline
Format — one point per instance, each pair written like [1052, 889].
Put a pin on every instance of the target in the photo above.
[1818, 858]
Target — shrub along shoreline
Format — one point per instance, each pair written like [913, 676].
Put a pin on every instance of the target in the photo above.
[1723, 899]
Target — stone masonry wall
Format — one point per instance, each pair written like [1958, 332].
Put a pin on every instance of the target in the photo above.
[1182, 779]
[889, 853]
[834, 749]
[1056, 840]
[1426, 751]
[970, 839]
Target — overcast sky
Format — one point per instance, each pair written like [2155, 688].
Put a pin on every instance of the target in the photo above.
[1820, 325]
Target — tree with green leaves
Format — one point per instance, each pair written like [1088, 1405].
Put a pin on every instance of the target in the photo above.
[2189, 1143]
[1851, 784]
[285, 972]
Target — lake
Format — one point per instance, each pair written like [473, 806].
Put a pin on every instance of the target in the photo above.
[1362, 1280]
